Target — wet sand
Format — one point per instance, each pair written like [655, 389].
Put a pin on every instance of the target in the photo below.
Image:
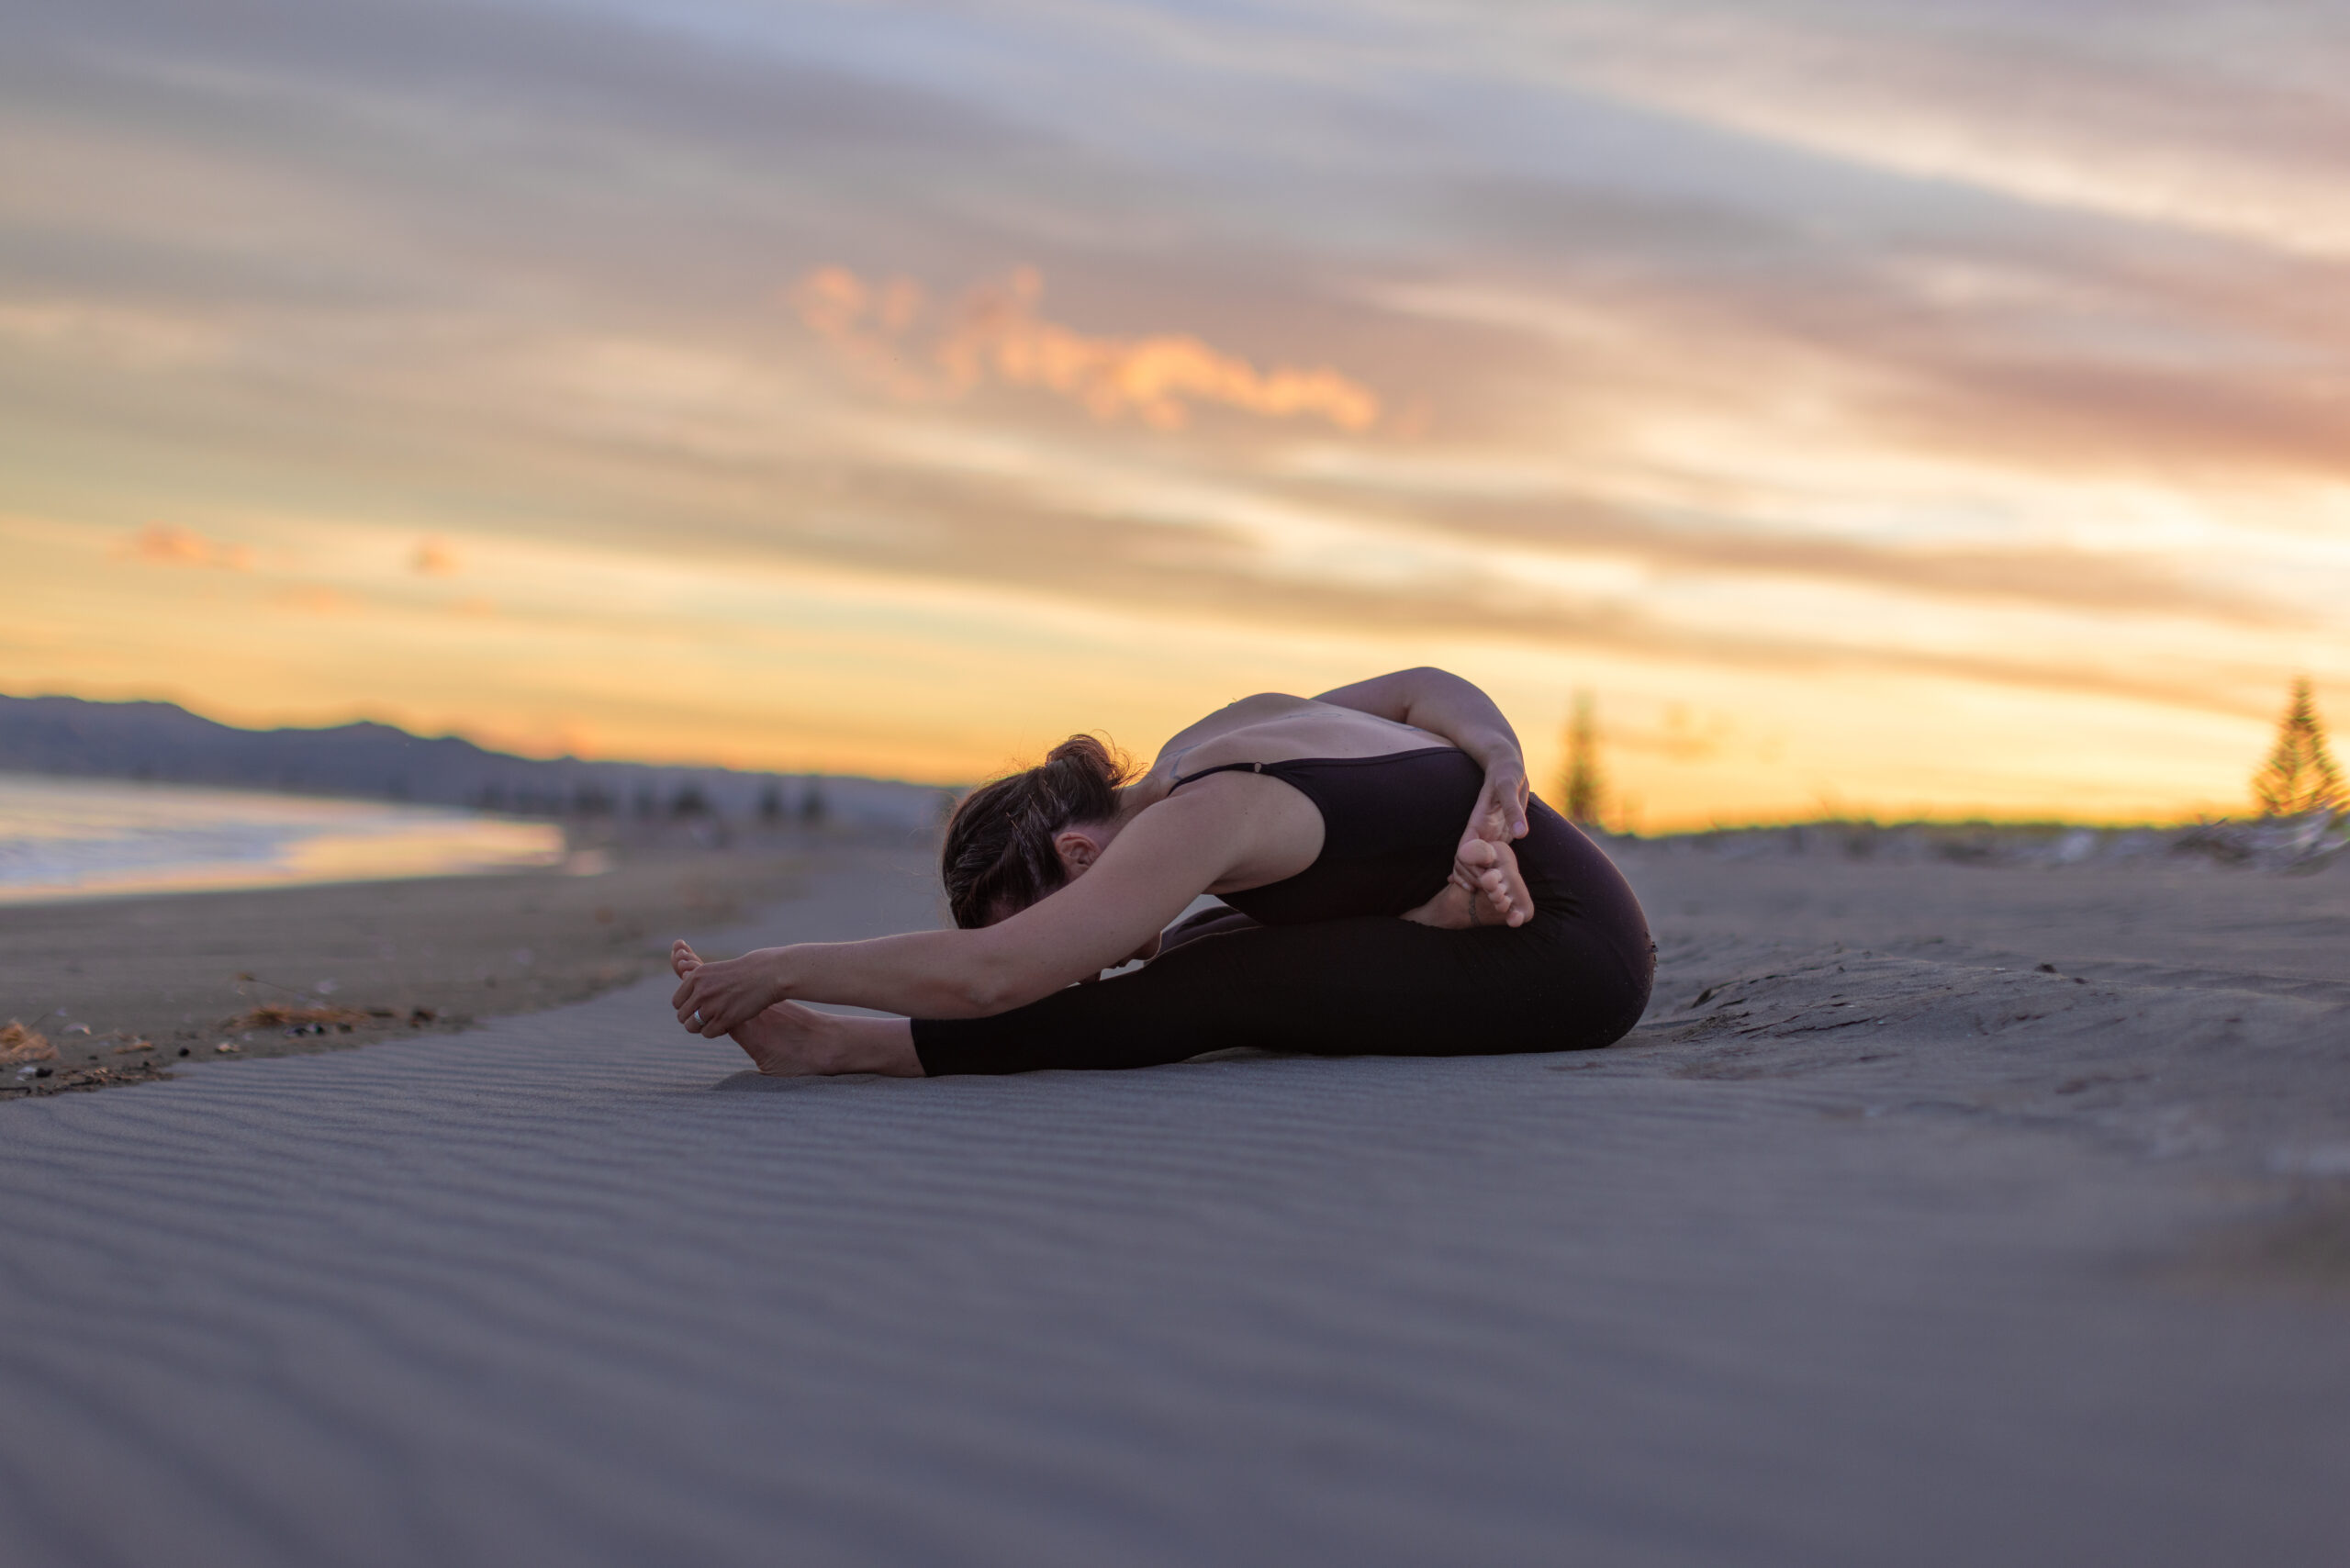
[1876, 1242]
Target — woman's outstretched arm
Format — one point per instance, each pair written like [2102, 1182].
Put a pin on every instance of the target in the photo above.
[1161, 860]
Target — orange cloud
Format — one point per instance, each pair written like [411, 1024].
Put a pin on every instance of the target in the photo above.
[996, 329]
[164, 546]
[313, 600]
[862, 324]
[434, 559]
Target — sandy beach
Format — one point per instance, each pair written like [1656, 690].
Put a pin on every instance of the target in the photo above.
[490, 487]
[1937, 1213]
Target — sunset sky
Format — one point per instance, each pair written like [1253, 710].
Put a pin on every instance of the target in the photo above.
[1878, 407]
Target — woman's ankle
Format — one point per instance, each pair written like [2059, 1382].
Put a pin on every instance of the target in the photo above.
[884, 1046]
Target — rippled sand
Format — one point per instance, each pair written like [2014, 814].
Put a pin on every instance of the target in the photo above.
[1876, 1244]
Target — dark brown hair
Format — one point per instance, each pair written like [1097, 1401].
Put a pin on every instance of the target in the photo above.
[999, 856]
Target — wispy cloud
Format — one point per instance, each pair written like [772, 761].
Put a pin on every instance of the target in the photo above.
[162, 544]
[995, 330]
[2162, 126]
[433, 558]
[313, 598]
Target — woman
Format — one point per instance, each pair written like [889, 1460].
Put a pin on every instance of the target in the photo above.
[1365, 922]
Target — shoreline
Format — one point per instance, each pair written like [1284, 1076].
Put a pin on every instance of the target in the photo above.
[124, 988]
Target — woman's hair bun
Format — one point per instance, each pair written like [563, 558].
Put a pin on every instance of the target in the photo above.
[998, 855]
[1085, 778]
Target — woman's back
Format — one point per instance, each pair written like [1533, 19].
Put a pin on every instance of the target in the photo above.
[1275, 727]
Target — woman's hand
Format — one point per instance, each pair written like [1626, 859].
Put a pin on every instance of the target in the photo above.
[1449, 707]
[1500, 816]
[717, 998]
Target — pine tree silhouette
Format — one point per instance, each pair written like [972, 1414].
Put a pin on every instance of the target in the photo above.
[2299, 775]
[1581, 786]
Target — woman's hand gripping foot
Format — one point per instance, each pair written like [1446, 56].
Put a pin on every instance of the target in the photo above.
[788, 1040]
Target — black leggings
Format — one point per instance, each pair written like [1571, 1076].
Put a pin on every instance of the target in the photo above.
[1374, 985]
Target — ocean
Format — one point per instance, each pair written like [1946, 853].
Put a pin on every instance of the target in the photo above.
[66, 838]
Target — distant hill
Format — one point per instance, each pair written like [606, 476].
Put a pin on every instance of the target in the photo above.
[160, 741]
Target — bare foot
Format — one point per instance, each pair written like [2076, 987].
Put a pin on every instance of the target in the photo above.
[1486, 889]
[1488, 869]
[789, 1040]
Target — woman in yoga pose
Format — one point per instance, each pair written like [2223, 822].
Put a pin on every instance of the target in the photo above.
[1360, 918]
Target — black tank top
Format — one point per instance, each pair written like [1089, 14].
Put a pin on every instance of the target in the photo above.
[1389, 828]
[1390, 825]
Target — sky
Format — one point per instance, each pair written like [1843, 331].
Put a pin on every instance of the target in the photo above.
[1878, 408]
